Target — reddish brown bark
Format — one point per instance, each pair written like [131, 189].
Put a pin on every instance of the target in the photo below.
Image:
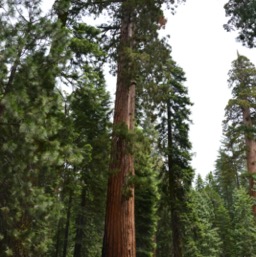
[250, 154]
[119, 237]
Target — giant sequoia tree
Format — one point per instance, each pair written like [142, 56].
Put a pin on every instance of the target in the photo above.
[119, 238]
[54, 148]
[138, 22]
[240, 114]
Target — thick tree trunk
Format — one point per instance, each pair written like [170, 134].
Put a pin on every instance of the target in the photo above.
[119, 237]
[250, 154]
[175, 219]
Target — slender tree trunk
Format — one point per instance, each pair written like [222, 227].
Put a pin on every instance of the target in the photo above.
[13, 71]
[175, 220]
[119, 237]
[250, 154]
[57, 245]
[80, 223]
[65, 246]
[155, 248]
[9, 85]
[237, 178]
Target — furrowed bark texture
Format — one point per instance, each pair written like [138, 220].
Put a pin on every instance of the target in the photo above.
[250, 155]
[119, 237]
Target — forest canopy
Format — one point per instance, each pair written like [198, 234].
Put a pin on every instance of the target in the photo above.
[81, 177]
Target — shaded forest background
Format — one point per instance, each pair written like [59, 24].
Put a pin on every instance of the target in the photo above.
[58, 155]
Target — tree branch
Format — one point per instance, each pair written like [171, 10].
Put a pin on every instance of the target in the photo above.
[107, 28]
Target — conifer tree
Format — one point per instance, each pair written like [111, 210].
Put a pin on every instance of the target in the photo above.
[242, 18]
[243, 225]
[38, 153]
[221, 215]
[175, 145]
[50, 147]
[229, 172]
[138, 22]
[240, 113]
[147, 194]
[202, 238]
[31, 124]
[90, 111]
[119, 237]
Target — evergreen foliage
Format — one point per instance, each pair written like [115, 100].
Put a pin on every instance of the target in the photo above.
[242, 18]
[55, 136]
[202, 238]
[243, 224]
[230, 172]
[90, 111]
[42, 147]
[239, 124]
[147, 196]
[172, 105]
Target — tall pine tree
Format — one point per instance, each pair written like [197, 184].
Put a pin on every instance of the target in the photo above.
[240, 115]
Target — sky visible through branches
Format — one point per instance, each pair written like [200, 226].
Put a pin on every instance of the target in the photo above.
[204, 50]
